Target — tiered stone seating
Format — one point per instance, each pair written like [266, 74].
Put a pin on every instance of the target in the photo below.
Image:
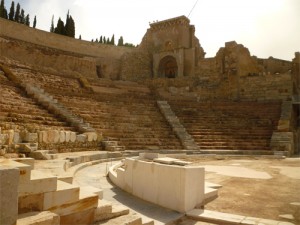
[18, 109]
[124, 111]
[229, 125]
[44, 199]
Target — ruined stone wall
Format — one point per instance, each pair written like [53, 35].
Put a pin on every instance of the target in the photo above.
[268, 87]
[296, 74]
[61, 53]
[136, 66]
[64, 43]
[275, 66]
[47, 59]
[207, 69]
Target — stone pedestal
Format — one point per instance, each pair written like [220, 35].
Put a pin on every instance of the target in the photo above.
[9, 180]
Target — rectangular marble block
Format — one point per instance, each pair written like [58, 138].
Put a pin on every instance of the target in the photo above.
[9, 179]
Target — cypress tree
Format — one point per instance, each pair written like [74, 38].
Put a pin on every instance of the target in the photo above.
[22, 17]
[17, 14]
[34, 22]
[11, 11]
[52, 24]
[27, 20]
[112, 41]
[3, 11]
[70, 26]
[104, 40]
[101, 39]
[107, 41]
[80, 37]
[60, 27]
[120, 41]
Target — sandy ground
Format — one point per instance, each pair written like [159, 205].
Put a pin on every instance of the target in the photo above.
[265, 188]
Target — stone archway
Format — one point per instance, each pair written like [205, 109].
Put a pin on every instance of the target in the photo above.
[168, 67]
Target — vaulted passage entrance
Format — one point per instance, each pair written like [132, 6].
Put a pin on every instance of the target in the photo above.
[168, 67]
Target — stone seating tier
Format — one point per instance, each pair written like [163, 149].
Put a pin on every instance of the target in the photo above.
[124, 108]
[229, 125]
[18, 109]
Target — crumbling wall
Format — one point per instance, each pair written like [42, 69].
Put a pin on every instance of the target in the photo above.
[47, 59]
[274, 66]
[136, 65]
[58, 53]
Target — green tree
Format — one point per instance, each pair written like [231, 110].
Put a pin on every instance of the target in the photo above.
[104, 40]
[22, 17]
[70, 30]
[17, 14]
[52, 24]
[120, 41]
[101, 39]
[107, 41]
[60, 27]
[3, 11]
[34, 22]
[27, 20]
[80, 37]
[11, 11]
[112, 40]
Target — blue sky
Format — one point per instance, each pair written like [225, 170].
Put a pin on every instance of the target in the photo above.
[266, 27]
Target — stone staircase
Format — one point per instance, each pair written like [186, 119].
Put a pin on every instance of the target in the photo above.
[45, 199]
[186, 139]
[19, 110]
[47, 101]
[236, 127]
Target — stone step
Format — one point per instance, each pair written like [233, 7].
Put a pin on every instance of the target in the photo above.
[210, 194]
[87, 201]
[64, 194]
[131, 219]
[24, 169]
[94, 190]
[43, 155]
[227, 218]
[38, 218]
[106, 211]
[39, 183]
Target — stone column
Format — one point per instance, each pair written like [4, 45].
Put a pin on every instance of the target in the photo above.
[9, 181]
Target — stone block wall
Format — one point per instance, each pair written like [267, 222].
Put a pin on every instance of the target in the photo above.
[266, 87]
[57, 53]
[47, 59]
[60, 42]
[136, 65]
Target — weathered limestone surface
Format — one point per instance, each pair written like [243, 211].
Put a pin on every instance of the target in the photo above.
[38, 218]
[9, 179]
[186, 139]
[170, 186]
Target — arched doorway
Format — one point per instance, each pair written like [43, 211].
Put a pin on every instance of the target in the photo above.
[168, 67]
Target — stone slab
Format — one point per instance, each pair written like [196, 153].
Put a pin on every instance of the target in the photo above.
[94, 190]
[9, 179]
[38, 218]
[87, 200]
[29, 203]
[64, 194]
[82, 217]
[215, 217]
[24, 169]
[39, 183]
